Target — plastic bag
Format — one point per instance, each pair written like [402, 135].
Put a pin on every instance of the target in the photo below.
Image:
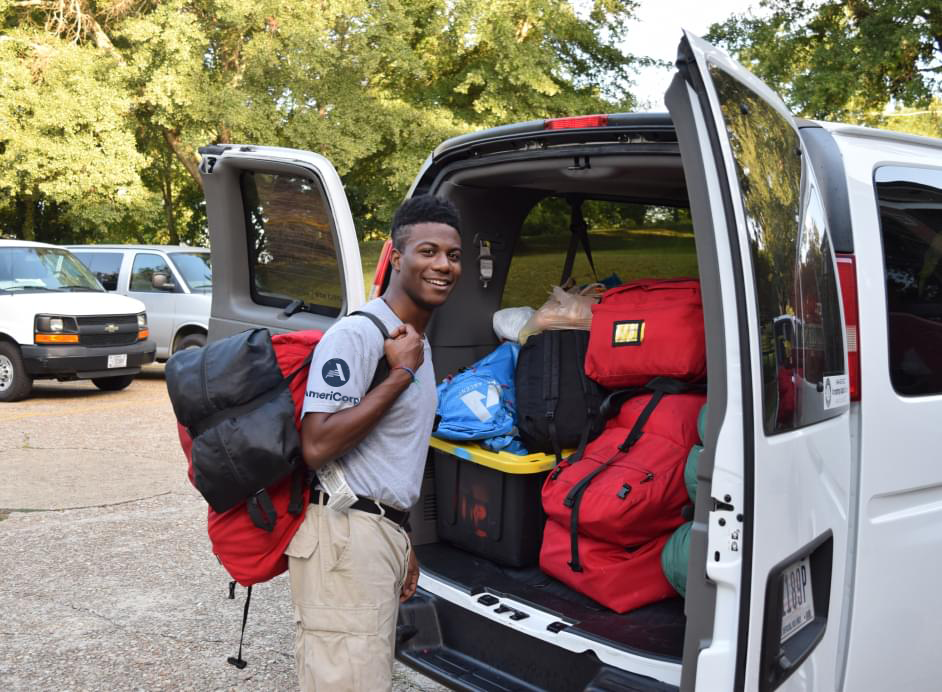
[564, 310]
[508, 322]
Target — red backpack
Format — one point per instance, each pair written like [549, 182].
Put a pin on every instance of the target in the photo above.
[252, 555]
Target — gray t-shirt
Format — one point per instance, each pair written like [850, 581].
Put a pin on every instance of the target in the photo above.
[389, 462]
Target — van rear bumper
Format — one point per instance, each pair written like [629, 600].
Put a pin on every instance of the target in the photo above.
[83, 361]
[465, 651]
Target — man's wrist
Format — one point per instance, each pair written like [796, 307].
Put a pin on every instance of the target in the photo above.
[407, 369]
[401, 375]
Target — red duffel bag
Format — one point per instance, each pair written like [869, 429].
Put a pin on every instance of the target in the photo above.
[618, 578]
[628, 487]
[647, 327]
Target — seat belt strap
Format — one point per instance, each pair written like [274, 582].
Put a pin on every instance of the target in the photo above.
[579, 232]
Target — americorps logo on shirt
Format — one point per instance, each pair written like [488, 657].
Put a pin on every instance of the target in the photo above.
[336, 372]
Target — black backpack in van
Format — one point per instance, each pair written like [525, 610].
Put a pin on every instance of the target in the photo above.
[557, 405]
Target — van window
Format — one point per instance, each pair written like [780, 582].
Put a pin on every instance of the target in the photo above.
[292, 254]
[104, 265]
[628, 241]
[146, 265]
[800, 331]
[196, 268]
[911, 225]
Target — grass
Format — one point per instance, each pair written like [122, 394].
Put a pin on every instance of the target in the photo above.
[538, 260]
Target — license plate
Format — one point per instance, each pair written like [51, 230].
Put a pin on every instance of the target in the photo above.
[797, 601]
[119, 360]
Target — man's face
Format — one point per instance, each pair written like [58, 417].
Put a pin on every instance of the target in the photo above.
[430, 263]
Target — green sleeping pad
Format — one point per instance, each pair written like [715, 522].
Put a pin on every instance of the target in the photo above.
[675, 556]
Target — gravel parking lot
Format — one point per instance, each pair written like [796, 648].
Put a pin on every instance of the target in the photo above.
[108, 579]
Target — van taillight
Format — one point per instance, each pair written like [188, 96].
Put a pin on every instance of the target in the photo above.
[847, 273]
[382, 269]
[575, 122]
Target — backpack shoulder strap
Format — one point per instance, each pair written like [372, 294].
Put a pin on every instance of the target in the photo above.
[382, 367]
[374, 319]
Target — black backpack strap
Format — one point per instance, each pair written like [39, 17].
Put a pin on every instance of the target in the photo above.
[382, 367]
[592, 410]
[237, 660]
[551, 388]
[574, 497]
[298, 481]
[374, 319]
[579, 232]
[262, 511]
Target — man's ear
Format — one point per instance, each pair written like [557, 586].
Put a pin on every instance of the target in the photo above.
[395, 257]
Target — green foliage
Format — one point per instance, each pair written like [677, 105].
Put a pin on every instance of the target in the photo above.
[104, 103]
[842, 59]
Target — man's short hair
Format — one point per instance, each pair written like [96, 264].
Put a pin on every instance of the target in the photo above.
[421, 209]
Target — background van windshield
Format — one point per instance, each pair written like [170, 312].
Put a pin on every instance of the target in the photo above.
[197, 270]
[33, 269]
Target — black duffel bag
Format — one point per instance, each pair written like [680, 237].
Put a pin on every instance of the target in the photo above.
[557, 405]
[236, 404]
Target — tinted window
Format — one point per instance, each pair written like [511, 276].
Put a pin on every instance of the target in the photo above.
[146, 266]
[104, 265]
[800, 332]
[197, 270]
[291, 243]
[911, 224]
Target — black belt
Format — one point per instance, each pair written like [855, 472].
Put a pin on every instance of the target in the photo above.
[364, 504]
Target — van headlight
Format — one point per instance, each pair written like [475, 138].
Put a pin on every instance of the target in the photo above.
[55, 329]
[142, 331]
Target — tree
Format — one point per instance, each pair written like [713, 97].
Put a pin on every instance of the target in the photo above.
[842, 60]
[373, 86]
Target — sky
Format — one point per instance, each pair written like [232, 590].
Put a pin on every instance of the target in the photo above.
[656, 31]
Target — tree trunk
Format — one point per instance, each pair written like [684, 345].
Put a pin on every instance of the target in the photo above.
[167, 186]
[28, 231]
[172, 138]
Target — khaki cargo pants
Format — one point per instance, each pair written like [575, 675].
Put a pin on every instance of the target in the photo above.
[346, 570]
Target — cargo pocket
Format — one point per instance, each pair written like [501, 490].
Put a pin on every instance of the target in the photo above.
[304, 542]
[360, 621]
[339, 648]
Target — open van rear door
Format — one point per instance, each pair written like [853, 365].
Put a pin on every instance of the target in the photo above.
[765, 591]
[285, 250]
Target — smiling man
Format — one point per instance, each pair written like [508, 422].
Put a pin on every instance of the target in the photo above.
[350, 569]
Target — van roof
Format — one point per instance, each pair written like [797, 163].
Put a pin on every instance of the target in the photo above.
[659, 122]
[25, 243]
[874, 133]
[116, 246]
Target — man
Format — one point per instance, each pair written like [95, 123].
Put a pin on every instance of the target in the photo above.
[349, 570]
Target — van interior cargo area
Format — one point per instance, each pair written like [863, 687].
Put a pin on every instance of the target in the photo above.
[654, 630]
[494, 198]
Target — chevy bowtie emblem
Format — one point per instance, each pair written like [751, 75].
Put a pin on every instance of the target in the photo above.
[111, 328]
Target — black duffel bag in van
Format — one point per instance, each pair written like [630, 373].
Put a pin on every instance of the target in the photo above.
[236, 404]
[557, 405]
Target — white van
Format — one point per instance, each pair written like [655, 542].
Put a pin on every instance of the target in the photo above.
[57, 322]
[822, 235]
[175, 283]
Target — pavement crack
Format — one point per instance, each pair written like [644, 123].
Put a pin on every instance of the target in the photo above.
[125, 628]
[4, 510]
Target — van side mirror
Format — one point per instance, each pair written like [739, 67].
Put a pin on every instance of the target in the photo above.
[161, 282]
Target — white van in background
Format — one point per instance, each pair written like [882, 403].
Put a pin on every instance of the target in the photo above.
[57, 322]
[175, 283]
[819, 491]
